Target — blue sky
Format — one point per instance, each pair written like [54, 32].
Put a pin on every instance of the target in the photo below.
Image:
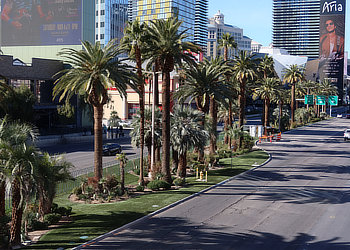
[255, 18]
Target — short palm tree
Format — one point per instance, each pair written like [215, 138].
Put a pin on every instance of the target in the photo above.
[168, 48]
[268, 90]
[94, 70]
[19, 159]
[133, 42]
[292, 75]
[244, 71]
[186, 132]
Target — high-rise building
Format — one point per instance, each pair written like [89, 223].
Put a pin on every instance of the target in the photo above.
[296, 26]
[193, 14]
[42, 29]
[111, 18]
[216, 28]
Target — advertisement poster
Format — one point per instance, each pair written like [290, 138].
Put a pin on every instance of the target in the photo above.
[332, 31]
[40, 22]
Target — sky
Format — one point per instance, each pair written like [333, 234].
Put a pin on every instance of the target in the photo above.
[255, 18]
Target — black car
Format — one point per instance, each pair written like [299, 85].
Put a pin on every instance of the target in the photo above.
[111, 149]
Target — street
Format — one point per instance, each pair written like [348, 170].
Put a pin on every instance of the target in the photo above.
[299, 200]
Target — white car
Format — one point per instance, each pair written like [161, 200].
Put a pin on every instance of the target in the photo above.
[346, 134]
[125, 123]
[339, 115]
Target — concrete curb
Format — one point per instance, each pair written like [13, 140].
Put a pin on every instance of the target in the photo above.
[118, 230]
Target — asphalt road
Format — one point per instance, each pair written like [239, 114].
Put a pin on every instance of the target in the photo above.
[299, 200]
[81, 154]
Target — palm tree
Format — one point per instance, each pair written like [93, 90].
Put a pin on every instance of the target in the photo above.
[244, 71]
[135, 132]
[48, 171]
[292, 75]
[168, 47]
[122, 160]
[95, 69]
[133, 42]
[19, 158]
[186, 132]
[227, 41]
[268, 90]
[266, 67]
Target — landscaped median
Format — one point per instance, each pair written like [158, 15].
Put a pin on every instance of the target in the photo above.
[92, 220]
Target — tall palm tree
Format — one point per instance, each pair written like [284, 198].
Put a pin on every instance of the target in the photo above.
[226, 42]
[168, 47]
[267, 90]
[292, 75]
[135, 132]
[95, 69]
[244, 71]
[186, 132]
[133, 42]
[266, 67]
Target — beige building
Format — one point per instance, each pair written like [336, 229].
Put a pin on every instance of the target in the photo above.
[216, 28]
[127, 107]
[255, 47]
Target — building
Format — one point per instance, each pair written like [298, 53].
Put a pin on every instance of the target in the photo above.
[64, 25]
[255, 46]
[193, 14]
[296, 26]
[111, 18]
[216, 28]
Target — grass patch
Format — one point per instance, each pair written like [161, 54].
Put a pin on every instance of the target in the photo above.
[92, 220]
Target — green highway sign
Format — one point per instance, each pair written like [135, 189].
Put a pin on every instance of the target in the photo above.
[309, 99]
[333, 100]
[320, 100]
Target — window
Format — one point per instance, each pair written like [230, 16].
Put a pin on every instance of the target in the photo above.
[102, 12]
[102, 36]
[96, 37]
[96, 12]
[96, 25]
[102, 24]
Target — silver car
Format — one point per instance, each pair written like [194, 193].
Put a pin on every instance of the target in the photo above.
[346, 134]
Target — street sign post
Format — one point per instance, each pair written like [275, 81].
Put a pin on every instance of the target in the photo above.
[320, 100]
[309, 99]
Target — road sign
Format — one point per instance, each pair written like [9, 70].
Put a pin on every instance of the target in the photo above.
[333, 100]
[320, 100]
[309, 99]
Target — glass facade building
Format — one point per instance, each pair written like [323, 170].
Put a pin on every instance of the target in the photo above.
[193, 13]
[296, 26]
[111, 18]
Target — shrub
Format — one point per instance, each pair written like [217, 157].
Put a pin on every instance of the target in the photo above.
[111, 182]
[179, 182]
[39, 225]
[139, 188]
[63, 211]
[157, 184]
[77, 191]
[52, 218]
[4, 231]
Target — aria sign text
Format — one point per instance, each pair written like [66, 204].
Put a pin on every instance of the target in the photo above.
[332, 7]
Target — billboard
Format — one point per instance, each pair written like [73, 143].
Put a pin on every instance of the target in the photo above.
[40, 22]
[332, 31]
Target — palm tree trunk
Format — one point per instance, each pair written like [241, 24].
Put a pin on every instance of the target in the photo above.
[226, 127]
[213, 113]
[241, 111]
[166, 127]
[98, 114]
[181, 171]
[2, 197]
[292, 104]
[17, 212]
[175, 159]
[230, 115]
[149, 149]
[156, 103]
[122, 176]
[266, 120]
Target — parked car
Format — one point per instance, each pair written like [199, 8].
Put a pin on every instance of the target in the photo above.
[347, 116]
[111, 149]
[125, 123]
[339, 115]
[346, 134]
